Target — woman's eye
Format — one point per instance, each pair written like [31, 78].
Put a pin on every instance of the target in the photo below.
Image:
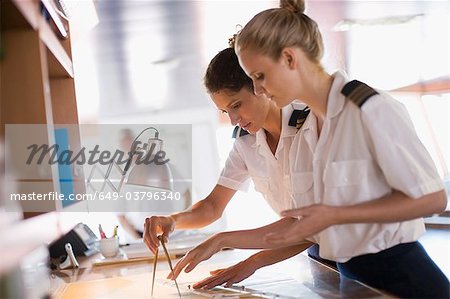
[235, 106]
[259, 77]
[223, 112]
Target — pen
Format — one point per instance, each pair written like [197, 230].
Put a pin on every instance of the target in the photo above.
[115, 230]
[102, 233]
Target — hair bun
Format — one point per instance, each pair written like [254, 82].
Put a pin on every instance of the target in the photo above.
[296, 6]
[232, 41]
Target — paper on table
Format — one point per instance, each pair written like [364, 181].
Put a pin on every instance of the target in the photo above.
[138, 287]
[135, 286]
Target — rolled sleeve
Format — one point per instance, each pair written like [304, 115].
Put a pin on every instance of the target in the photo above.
[232, 184]
[235, 174]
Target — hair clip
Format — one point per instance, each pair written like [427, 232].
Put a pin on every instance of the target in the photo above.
[232, 39]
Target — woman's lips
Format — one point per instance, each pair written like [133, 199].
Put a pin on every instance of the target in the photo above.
[245, 127]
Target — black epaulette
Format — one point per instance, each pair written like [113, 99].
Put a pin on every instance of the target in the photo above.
[358, 92]
[298, 117]
[239, 132]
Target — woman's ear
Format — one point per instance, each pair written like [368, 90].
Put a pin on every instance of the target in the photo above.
[289, 57]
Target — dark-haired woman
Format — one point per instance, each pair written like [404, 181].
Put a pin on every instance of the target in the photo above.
[264, 134]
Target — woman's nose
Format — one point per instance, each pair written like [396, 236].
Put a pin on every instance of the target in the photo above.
[258, 88]
[234, 118]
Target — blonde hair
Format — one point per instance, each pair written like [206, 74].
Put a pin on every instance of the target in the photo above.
[272, 30]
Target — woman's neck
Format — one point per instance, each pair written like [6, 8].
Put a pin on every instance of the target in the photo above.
[316, 85]
[272, 126]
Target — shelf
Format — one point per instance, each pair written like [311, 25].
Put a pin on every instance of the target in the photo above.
[60, 64]
[36, 87]
[19, 14]
[29, 10]
[25, 15]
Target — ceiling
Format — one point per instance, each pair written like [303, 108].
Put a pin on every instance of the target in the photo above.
[150, 55]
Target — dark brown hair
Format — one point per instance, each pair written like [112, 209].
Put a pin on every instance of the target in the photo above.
[224, 72]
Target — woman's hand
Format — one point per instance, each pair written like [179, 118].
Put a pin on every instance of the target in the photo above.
[200, 253]
[394, 207]
[229, 276]
[157, 225]
[244, 269]
[313, 219]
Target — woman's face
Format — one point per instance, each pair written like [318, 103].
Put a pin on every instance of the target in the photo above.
[243, 108]
[276, 79]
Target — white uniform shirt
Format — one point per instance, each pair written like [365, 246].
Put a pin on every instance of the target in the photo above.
[251, 158]
[362, 154]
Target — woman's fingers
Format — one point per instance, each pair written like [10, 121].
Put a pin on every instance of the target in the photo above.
[227, 276]
[212, 281]
[191, 266]
[230, 283]
[217, 271]
[188, 262]
[205, 282]
[165, 237]
[179, 266]
[150, 233]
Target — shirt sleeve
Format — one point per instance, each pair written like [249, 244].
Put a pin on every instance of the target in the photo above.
[235, 173]
[403, 159]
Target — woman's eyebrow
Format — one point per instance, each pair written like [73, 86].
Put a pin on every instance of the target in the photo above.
[234, 102]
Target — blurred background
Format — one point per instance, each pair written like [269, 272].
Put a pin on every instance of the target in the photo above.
[142, 62]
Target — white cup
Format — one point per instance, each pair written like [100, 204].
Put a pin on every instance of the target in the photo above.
[109, 247]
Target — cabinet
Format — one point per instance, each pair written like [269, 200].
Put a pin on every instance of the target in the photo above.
[37, 88]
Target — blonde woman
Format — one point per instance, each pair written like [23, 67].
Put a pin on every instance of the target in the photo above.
[364, 178]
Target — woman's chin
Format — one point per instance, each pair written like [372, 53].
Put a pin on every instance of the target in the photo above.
[252, 130]
[281, 102]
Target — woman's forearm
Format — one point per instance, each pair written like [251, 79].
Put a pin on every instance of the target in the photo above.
[252, 238]
[392, 208]
[271, 256]
[205, 211]
[195, 217]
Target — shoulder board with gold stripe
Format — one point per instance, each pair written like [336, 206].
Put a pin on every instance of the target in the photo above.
[358, 92]
[298, 117]
[239, 132]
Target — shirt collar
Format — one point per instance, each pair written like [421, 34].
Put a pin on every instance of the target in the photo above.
[286, 130]
[286, 112]
[336, 99]
[260, 138]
